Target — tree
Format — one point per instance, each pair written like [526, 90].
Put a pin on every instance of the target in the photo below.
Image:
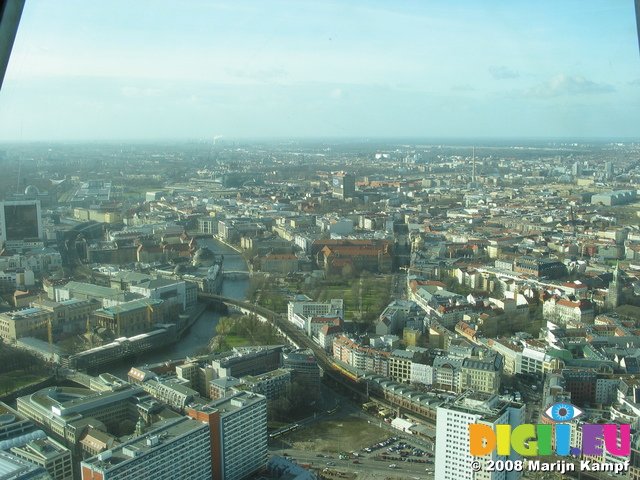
[6, 384]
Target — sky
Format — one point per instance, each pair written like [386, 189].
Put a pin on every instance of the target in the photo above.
[200, 69]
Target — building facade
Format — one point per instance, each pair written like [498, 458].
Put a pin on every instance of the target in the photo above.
[238, 426]
[180, 449]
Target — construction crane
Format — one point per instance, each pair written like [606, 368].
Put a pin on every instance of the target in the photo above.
[89, 333]
[49, 328]
[118, 326]
[149, 312]
[47, 322]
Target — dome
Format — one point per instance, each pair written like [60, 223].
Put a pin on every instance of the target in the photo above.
[180, 269]
[31, 190]
[204, 254]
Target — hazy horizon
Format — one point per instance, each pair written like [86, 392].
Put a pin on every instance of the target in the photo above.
[284, 70]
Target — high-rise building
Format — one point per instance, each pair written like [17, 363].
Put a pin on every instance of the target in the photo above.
[453, 457]
[179, 449]
[343, 185]
[20, 220]
[238, 430]
[612, 299]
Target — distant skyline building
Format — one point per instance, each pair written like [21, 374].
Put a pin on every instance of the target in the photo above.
[20, 220]
[344, 185]
[576, 169]
[612, 300]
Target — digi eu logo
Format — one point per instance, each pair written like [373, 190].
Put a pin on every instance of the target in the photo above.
[531, 440]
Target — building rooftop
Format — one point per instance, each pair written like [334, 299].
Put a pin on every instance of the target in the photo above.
[235, 402]
[165, 431]
[266, 376]
[13, 467]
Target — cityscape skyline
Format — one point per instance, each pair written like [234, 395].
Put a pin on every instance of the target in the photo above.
[287, 70]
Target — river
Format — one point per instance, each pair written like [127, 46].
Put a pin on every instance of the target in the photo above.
[205, 327]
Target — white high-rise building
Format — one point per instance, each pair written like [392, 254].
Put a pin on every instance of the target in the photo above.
[177, 450]
[238, 434]
[453, 459]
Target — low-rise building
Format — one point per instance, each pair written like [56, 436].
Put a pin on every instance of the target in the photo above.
[271, 384]
[48, 454]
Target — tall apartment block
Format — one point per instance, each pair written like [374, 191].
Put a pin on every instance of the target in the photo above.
[238, 428]
[176, 450]
[453, 460]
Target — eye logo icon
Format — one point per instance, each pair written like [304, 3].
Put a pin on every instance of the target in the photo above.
[563, 412]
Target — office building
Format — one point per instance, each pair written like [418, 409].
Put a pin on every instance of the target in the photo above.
[343, 185]
[271, 384]
[48, 454]
[63, 411]
[175, 450]
[453, 460]
[248, 361]
[304, 366]
[303, 308]
[13, 424]
[238, 434]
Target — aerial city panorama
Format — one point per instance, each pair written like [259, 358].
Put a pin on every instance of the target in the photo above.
[311, 240]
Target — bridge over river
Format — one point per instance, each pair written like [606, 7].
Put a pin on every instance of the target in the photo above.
[236, 274]
[286, 329]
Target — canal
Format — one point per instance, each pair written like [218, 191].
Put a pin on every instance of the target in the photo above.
[205, 327]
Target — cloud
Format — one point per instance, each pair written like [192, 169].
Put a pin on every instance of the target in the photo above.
[566, 85]
[502, 72]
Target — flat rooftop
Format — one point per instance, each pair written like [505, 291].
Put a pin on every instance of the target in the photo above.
[164, 431]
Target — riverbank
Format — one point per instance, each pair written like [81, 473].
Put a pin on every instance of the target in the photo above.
[194, 313]
[232, 247]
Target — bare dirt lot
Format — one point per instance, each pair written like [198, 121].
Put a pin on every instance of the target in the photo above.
[340, 435]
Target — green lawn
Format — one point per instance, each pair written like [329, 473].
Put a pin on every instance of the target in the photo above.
[237, 341]
[10, 382]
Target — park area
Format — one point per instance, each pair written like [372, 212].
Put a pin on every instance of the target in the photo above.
[19, 368]
[365, 297]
